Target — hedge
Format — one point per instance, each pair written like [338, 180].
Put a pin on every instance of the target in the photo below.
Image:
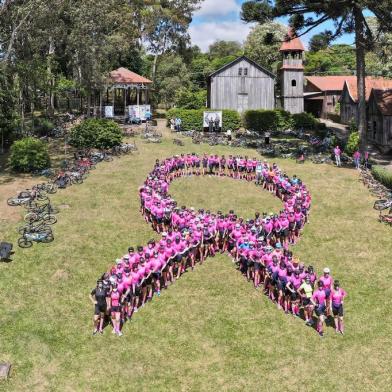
[267, 120]
[382, 175]
[192, 119]
[304, 120]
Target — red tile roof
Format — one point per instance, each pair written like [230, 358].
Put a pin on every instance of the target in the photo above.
[292, 43]
[383, 99]
[123, 75]
[370, 83]
[329, 83]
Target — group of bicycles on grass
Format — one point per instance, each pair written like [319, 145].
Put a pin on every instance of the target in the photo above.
[258, 246]
[40, 213]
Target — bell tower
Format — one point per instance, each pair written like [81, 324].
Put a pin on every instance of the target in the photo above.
[292, 74]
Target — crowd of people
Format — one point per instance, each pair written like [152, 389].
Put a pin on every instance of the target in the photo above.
[259, 246]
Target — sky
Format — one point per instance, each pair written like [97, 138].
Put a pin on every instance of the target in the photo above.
[220, 20]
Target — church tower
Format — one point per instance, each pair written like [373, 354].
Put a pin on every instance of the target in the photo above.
[292, 74]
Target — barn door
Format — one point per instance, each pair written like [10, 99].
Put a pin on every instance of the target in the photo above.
[242, 104]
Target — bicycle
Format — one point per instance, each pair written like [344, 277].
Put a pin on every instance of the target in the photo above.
[27, 239]
[43, 216]
[382, 204]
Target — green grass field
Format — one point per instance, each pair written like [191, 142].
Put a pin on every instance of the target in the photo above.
[211, 331]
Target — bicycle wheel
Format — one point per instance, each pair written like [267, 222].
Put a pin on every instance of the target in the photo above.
[51, 188]
[108, 158]
[380, 205]
[50, 219]
[31, 217]
[48, 238]
[23, 243]
[12, 201]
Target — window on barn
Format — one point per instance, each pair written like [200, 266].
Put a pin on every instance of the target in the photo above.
[293, 83]
[239, 71]
[245, 71]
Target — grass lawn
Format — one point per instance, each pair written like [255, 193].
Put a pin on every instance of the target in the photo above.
[211, 331]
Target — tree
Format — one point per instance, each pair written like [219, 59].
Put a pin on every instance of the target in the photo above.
[320, 41]
[263, 42]
[348, 16]
[222, 48]
[337, 59]
[166, 26]
[187, 99]
[172, 75]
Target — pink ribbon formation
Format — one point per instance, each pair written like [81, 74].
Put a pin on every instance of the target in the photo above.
[259, 245]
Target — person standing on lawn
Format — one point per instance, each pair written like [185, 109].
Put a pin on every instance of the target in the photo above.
[357, 159]
[338, 152]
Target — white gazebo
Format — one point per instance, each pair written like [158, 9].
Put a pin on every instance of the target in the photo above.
[126, 95]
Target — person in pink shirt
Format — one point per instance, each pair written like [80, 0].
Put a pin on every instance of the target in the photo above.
[337, 298]
[357, 159]
[337, 152]
[115, 308]
[319, 300]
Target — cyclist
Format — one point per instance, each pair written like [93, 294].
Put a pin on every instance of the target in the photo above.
[98, 297]
[337, 297]
[319, 300]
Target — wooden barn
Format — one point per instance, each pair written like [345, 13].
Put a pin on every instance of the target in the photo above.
[349, 97]
[380, 118]
[241, 85]
[322, 94]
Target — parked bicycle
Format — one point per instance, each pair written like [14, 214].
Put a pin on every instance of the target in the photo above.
[28, 237]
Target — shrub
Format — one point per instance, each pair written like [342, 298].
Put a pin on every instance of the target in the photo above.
[304, 120]
[42, 126]
[383, 175]
[267, 120]
[96, 133]
[352, 143]
[193, 119]
[29, 154]
[285, 120]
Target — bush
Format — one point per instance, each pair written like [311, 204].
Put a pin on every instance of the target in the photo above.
[42, 126]
[352, 143]
[382, 175]
[267, 120]
[305, 121]
[29, 154]
[96, 133]
[193, 119]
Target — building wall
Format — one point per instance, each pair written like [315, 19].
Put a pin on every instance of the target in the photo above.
[229, 90]
[293, 95]
[379, 127]
[348, 108]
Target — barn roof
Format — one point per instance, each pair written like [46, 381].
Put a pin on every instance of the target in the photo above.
[292, 43]
[124, 75]
[236, 61]
[383, 100]
[329, 83]
[370, 83]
